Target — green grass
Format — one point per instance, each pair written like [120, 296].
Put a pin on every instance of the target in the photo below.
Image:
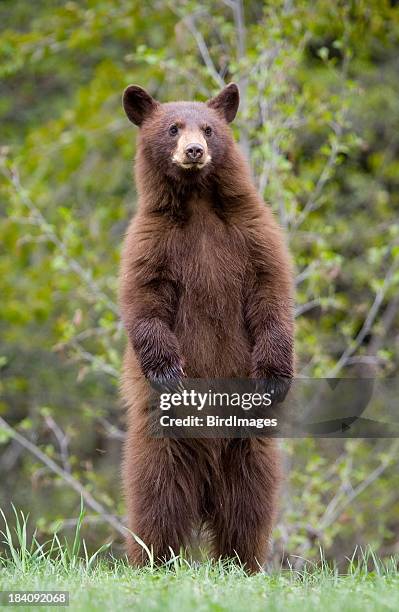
[101, 582]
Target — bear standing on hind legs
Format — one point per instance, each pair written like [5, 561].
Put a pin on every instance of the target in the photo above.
[205, 292]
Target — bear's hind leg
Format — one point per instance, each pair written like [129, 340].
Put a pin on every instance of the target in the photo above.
[161, 496]
[245, 501]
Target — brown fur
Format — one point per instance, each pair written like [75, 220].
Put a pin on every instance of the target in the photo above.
[205, 288]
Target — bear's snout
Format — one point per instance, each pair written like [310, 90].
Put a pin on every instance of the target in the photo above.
[191, 150]
[194, 151]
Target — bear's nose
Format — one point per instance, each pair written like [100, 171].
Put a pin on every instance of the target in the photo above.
[194, 151]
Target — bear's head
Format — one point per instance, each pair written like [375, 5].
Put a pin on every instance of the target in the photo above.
[184, 140]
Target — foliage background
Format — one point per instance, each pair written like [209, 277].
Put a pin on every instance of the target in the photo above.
[318, 120]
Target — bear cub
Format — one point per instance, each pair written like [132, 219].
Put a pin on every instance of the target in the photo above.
[206, 291]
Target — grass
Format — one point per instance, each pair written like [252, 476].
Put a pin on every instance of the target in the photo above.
[101, 582]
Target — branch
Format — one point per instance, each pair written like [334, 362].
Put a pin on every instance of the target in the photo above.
[40, 220]
[90, 332]
[367, 325]
[112, 430]
[93, 519]
[63, 441]
[304, 274]
[338, 128]
[203, 49]
[241, 34]
[325, 174]
[387, 321]
[302, 308]
[68, 478]
[98, 363]
[327, 521]
[238, 11]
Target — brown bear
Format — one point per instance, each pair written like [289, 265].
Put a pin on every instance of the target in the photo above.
[205, 292]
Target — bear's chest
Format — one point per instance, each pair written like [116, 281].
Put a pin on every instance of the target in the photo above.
[210, 262]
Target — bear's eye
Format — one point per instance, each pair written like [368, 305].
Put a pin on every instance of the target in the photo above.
[173, 130]
[208, 131]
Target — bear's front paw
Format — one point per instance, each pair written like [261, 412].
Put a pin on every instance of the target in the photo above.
[168, 373]
[275, 385]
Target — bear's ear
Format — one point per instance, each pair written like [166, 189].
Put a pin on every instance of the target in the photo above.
[226, 102]
[138, 104]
